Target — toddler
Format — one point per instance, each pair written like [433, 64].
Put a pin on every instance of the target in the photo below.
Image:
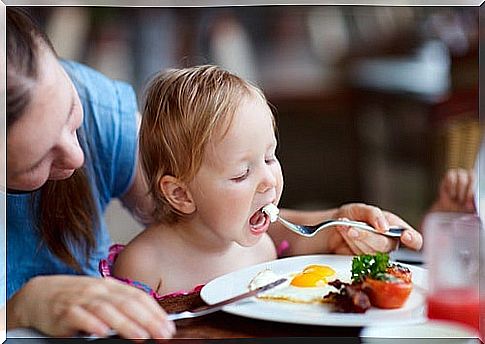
[207, 145]
[208, 148]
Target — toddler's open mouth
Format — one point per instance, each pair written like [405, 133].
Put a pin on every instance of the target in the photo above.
[258, 218]
[259, 222]
[261, 219]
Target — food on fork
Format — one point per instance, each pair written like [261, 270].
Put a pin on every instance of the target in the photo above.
[272, 211]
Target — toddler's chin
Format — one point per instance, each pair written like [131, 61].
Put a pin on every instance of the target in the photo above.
[250, 241]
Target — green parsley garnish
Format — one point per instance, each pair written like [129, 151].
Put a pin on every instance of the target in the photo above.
[365, 265]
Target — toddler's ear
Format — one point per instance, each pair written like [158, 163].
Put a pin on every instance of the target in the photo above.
[177, 194]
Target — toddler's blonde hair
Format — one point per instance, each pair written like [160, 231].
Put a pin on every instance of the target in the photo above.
[183, 108]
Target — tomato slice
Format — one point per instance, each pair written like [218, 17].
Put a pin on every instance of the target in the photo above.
[387, 294]
[401, 272]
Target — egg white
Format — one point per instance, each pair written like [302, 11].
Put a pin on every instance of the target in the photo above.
[290, 293]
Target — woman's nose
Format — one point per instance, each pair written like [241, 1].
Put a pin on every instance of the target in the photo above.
[71, 155]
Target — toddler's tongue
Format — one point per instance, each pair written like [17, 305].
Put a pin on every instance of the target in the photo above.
[257, 220]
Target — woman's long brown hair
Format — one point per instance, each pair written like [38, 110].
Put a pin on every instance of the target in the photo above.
[66, 214]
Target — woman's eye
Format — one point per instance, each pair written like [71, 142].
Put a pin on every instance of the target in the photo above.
[241, 177]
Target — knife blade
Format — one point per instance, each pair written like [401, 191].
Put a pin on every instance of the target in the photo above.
[204, 310]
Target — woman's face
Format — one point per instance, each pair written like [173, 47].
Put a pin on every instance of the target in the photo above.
[239, 175]
[42, 144]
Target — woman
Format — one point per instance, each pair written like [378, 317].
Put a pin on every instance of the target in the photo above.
[71, 146]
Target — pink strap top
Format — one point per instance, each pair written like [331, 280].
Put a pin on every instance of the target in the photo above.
[105, 269]
[106, 265]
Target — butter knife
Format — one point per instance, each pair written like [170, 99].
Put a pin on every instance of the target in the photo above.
[203, 310]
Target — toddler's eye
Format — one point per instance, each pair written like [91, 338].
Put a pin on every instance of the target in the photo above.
[241, 177]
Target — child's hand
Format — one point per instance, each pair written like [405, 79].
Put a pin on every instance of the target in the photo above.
[348, 240]
[456, 192]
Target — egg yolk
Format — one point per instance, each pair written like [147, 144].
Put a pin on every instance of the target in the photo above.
[308, 280]
[313, 276]
[322, 270]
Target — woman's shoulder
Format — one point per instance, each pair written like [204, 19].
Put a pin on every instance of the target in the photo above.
[109, 131]
[97, 88]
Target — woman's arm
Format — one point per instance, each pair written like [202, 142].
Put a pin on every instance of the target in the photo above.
[64, 305]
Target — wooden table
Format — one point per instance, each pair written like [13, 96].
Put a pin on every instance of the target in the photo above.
[225, 325]
[216, 326]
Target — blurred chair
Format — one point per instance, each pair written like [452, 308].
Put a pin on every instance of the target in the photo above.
[462, 138]
[458, 131]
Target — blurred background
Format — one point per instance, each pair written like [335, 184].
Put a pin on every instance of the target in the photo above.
[373, 103]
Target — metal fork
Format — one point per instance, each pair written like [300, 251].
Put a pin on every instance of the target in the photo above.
[309, 231]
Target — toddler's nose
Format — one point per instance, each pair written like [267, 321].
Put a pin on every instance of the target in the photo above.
[268, 182]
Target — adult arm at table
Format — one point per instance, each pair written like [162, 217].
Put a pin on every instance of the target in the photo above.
[64, 305]
[344, 240]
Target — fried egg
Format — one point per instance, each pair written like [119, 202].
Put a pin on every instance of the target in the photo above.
[306, 286]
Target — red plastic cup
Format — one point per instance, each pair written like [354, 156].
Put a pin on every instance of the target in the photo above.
[452, 257]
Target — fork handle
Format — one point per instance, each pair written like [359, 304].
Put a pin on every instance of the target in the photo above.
[393, 232]
[288, 225]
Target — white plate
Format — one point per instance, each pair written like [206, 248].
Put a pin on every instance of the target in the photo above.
[237, 282]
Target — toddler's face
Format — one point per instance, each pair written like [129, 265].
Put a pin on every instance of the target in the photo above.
[239, 175]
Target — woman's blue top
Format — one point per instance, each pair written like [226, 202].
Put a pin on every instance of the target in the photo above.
[110, 130]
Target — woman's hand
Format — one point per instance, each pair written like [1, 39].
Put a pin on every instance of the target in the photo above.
[342, 239]
[349, 240]
[65, 305]
[456, 192]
